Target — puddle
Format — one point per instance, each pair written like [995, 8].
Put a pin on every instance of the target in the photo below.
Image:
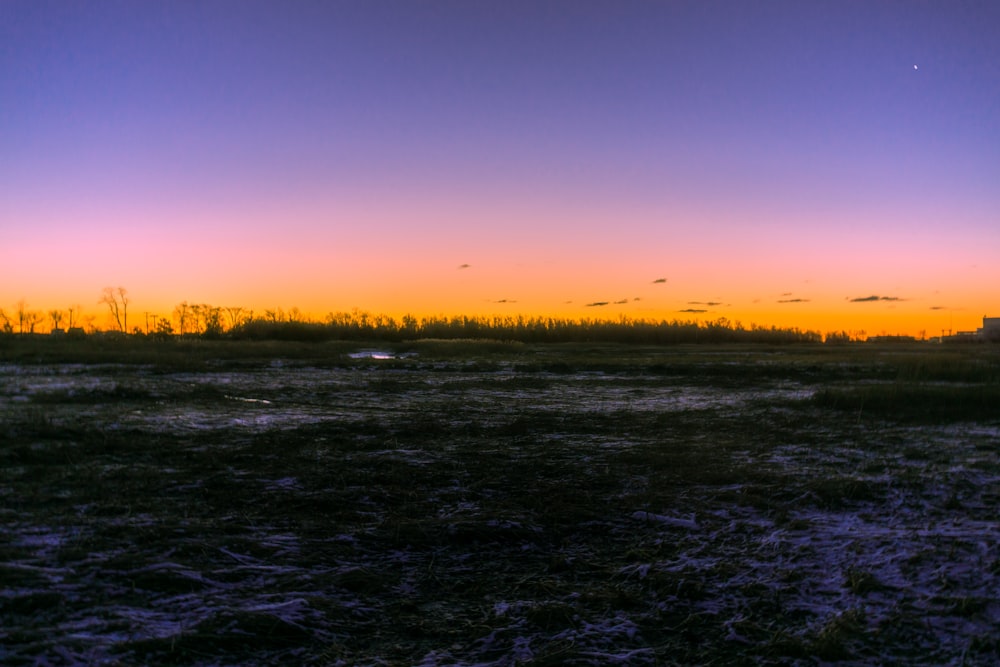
[380, 355]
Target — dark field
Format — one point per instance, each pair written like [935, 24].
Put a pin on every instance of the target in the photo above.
[468, 503]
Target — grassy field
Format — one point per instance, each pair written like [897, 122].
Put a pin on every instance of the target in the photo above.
[490, 503]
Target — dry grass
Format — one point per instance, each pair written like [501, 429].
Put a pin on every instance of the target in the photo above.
[559, 505]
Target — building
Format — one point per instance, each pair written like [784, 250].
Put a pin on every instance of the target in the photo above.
[991, 329]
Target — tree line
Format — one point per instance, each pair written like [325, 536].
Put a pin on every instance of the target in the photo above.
[209, 322]
[24, 320]
[199, 320]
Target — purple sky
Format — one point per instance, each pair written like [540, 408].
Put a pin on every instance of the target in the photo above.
[743, 150]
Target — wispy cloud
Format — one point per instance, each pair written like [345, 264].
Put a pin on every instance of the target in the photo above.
[595, 304]
[793, 300]
[704, 303]
[693, 310]
[874, 297]
[659, 281]
[464, 266]
[505, 301]
[621, 301]
[939, 307]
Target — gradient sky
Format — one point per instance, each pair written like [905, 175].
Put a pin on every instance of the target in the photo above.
[778, 163]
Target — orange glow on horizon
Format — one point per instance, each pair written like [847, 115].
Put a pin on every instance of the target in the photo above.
[918, 319]
[538, 171]
[809, 281]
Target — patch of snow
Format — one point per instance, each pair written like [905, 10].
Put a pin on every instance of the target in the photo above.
[248, 400]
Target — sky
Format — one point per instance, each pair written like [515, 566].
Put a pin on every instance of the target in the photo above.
[823, 165]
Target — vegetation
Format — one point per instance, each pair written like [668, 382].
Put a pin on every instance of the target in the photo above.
[205, 321]
[359, 326]
[208, 322]
[470, 501]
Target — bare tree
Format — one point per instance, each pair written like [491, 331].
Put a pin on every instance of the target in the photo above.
[117, 302]
[213, 320]
[22, 315]
[56, 316]
[182, 314]
[75, 312]
[195, 318]
[27, 318]
[234, 316]
[124, 300]
[34, 318]
[6, 325]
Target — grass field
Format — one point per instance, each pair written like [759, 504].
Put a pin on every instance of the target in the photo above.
[489, 503]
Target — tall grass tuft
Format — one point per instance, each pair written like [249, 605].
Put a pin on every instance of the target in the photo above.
[919, 402]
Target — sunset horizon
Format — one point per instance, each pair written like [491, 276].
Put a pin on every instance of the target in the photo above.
[500, 332]
[826, 166]
[887, 316]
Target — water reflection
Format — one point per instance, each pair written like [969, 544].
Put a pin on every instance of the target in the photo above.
[379, 354]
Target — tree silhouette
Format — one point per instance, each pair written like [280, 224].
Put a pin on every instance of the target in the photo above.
[26, 318]
[117, 302]
[162, 329]
[234, 313]
[210, 320]
[74, 312]
[181, 313]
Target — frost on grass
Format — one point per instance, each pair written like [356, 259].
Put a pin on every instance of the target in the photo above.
[445, 514]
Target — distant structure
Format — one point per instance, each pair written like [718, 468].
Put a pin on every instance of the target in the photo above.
[990, 331]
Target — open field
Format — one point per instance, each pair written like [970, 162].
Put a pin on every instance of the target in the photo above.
[486, 503]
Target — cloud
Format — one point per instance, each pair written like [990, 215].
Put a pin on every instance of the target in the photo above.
[620, 302]
[637, 299]
[793, 300]
[659, 281]
[704, 303]
[464, 266]
[786, 294]
[873, 297]
[939, 307]
[596, 304]
[692, 310]
[505, 301]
